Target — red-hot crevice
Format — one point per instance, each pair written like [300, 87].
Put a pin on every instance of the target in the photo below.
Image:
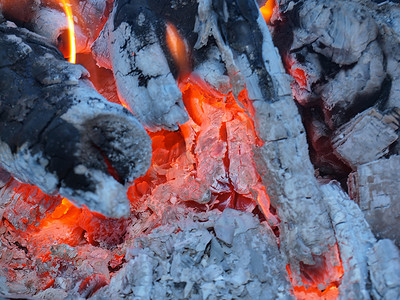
[209, 160]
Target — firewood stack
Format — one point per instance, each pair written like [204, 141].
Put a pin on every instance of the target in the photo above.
[58, 133]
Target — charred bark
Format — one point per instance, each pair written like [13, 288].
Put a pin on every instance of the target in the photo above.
[58, 133]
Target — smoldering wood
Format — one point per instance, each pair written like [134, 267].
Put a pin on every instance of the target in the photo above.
[376, 187]
[285, 142]
[366, 137]
[343, 37]
[252, 61]
[32, 206]
[283, 160]
[51, 22]
[58, 133]
[133, 44]
[363, 257]
[213, 255]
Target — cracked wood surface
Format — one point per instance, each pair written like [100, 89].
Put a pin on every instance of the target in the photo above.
[58, 133]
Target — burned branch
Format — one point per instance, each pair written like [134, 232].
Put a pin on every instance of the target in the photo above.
[58, 133]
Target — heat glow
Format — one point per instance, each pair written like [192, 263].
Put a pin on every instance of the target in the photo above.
[71, 30]
[267, 10]
[321, 280]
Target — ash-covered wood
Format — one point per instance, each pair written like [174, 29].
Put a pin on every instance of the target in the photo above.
[58, 133]
[376, 187]
[133, 44]
[338, 57]
[385, 259]
[371, 267]
[366, 137]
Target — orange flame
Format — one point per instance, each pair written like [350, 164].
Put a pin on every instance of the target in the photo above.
[71, 30]
[177, 48]
[267, 10]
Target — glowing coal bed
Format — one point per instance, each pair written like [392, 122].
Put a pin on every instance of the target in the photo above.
[229, 207]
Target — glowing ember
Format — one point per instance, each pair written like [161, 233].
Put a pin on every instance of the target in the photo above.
[318, 281]
[267, 10]
[210, 160]
[71, 30]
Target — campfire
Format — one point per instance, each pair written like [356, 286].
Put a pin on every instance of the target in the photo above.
[199, 149]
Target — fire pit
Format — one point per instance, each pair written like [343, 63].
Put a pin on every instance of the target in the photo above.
[161, 150]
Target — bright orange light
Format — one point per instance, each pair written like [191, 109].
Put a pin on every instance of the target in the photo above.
[320, 281]
[71, 30]
[267, 10]
[177, 48]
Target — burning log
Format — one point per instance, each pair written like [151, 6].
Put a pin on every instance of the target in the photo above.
[362, 255]
[58, 133]
[134, 34]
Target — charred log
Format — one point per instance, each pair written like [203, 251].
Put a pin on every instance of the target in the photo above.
[362, 255]
[58, 133]
[238, 31]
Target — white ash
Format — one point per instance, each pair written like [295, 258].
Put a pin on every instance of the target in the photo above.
[212, 71]
[239, 260]
[26, 166]
[388, 19]
[364, 79]
[384, 258]
[355, 59]
[101, 47]
[340, 30]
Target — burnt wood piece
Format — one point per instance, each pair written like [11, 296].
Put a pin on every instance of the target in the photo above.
[388, 19]
[376, 187]
[283, 161]
[344, 37]
[133, 45]
[366, 137]
[58, 133]
[371, 267]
